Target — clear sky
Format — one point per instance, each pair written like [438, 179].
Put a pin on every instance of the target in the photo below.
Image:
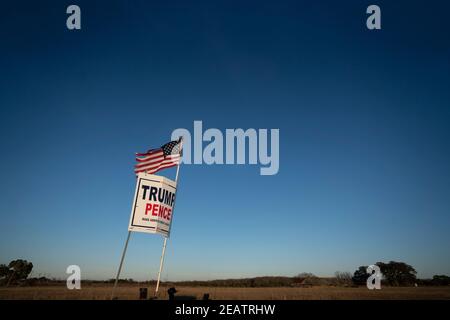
[364, 135]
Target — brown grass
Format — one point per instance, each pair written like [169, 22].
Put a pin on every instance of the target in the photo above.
[127, 292]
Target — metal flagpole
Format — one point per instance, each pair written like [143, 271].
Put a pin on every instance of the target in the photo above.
[120, 265]
[165, 238]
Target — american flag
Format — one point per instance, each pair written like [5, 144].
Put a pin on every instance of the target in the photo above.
[169, 155]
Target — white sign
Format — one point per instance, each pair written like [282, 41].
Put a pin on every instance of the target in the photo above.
[153, 204]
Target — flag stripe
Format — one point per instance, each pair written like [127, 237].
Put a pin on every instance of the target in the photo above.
[151, 156]
[155, 164]
[158, 168]
[146, 163]
[153, 160]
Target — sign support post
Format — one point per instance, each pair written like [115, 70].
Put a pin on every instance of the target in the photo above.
[161, 262]
[121, 263]
[165, 238]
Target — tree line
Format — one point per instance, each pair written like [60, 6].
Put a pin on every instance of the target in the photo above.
[393, 274]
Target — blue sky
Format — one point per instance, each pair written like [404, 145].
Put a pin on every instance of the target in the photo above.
[364, 135]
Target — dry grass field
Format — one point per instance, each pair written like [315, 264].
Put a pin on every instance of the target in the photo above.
[129, 292]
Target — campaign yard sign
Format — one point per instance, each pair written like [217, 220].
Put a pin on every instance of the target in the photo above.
[153, 204]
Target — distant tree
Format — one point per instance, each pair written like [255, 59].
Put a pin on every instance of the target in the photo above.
[343, 278]
[305, 275]
[4, 270]
[19, 270]
[441, 280]
[360, 276]
[4, 273]
[308, 279]
[398, 273]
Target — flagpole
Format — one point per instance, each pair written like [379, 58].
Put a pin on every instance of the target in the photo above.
[121, 263]
[161, 262]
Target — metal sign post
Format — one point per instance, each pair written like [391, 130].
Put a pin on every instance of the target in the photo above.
[120, 265]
